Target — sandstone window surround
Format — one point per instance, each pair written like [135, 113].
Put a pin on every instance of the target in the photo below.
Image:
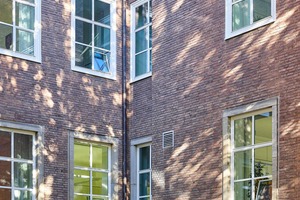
[94, 37]
[245, 15]
[20, 25]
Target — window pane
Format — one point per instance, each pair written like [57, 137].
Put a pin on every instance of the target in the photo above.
[263, 127]
[6, 37]
[150, 36]
[141, 63]
[100, 157]
[243, 132]
[240, 15]
[141, 40]
[144, 198]
[102, 12]
[5, 173]
[101, 62]
[150, 12]
[81, 154]
[263, 161]
[83, 56]
[23, 146]
[23, 175]
[141, 15]
[144, 183]
[22, 195]
[25, 42]
[100, 183]
[100, 198]
[84, 8]
[150, 61]
[263, 189]
[243, 190]
[261, 9]
[5, 193]
[242, 164]
[30, 1]
[81, 197]
[81, 181]
[6, 12]
[25, 16]
[144, 158]
[83, 32]
[102, 37]
[5, 143]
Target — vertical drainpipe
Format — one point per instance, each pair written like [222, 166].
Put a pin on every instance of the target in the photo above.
[124, 117]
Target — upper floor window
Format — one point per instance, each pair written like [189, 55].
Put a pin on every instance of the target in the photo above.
[94, 37]
[20, 29]
[245, 15]
[141, 39]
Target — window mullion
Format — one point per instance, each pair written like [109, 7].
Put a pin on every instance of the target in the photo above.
[93, 34]
[253, 159]
[14, 26]
[12, 165]
[91, 172]
[251, 11]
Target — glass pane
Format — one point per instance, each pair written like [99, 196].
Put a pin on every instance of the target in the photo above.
[30, 1]
[83, 32]
[84, 8]
[5, 173]
[263, 161]
[150, 36]
[81, 181]
[23, 175]
[240, 15]
[102, 12]
[6, 37]
[101, 62]
[102, 37]
[242, 164]
[144, 184]
[263, 189]
[144, 158]
[6, 12]
[141, 40]
[150, 12]
[100, 183]
[243, 132]
[25, 16]
[83, 56]
[141, 63]
[25, 42]
[261, 9]
[263, 127]
[5, 143]
[22, 195]
[81, 154]
[100, 198]
[144, 198]
[23, 146]
[81, 197]
[141, 15]
[150, 61]
[100, 157]
[5, 193]
[243, 190]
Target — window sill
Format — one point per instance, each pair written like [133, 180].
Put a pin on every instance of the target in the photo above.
[138, 78]
[249, 28]
[6, 52]
[111, 76]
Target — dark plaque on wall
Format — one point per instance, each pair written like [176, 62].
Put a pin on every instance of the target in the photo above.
[264, 191]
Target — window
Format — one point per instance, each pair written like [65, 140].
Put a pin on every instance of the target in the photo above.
[93, 167]
[20, 154]
[144, 172]
[252, 153]
[20, 29]
[140, 168]
[141, 40]
[94, 37]
[245, 15]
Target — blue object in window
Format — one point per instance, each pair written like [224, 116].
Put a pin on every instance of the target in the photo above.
[101, 62]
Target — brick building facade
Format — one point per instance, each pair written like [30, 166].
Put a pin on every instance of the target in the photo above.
[202, 80]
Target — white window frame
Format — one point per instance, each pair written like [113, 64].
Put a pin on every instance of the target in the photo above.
[134, 78]
[36, 34]
[113, 48]
[229, 33]
[110, 142]
[229, 116]
[37, 133]
[135, 145]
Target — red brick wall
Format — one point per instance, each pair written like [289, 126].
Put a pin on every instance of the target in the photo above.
[197, 75]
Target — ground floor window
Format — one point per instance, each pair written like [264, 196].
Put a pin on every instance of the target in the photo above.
[144, 171]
